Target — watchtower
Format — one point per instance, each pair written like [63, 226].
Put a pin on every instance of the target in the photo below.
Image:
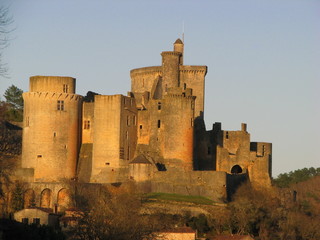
[51, 131]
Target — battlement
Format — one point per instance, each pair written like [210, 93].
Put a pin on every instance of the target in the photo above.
[193, 69]
[52, 95]
[171, 53]
[172, 95]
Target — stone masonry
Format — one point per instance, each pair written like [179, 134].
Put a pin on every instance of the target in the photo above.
[155, 136]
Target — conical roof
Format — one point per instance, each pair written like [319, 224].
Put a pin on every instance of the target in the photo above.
[178, 41]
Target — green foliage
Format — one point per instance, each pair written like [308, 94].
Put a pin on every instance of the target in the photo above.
[17, 197]
[200, 223]
[12, 108]
[300, 175]
[13, 97]
[178, 198]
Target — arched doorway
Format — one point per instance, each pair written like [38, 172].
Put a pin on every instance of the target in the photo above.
[29, 198]
[236, 169]
[64, 199]
[45, 201]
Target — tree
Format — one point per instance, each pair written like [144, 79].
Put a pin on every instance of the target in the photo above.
[14, 98]
[116, 216]
[5, 21]
[300, 175]
[10, 149]
[17, 197]
[12, 108]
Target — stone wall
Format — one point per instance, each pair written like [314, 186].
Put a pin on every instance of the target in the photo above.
[114, 138]
[87, 122]
[211, 184]
[194, 77]
[261, 164]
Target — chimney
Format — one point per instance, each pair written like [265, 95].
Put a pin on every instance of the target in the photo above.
[243, 127]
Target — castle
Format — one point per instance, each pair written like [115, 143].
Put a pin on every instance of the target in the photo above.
[155, 136]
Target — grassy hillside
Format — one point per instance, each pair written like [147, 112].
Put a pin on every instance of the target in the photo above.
[178, 198]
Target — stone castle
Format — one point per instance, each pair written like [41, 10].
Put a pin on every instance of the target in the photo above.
[155, 137]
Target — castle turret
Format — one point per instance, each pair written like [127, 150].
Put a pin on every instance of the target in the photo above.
[177, 129]
[170, 69]
[51, 131]
[178, 47]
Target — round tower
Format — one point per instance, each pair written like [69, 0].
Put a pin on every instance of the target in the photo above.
[178, 47]
[177, 117]
[51, 131]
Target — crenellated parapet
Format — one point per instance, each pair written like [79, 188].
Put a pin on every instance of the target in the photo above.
[187, 69]
[171, 53]
[180, 96]
[52, 96]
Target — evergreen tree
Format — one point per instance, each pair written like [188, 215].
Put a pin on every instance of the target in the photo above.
[14, 102]
[17, 197]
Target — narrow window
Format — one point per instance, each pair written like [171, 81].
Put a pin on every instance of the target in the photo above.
[39, 156]
[107, 163]
[134, 120]
[159, 123]
[140, 126]
[25, 220]
[209, 150]
[36, 221]
[121, 153]
[263, 150]
[86, 124]
[128, 120]
[159, 105]
[60, 105]
[184, 86]
[128, 153]
[54, 134]
[227, 135]
[65, 88]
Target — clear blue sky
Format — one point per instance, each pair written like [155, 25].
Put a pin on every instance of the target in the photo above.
[262, 56]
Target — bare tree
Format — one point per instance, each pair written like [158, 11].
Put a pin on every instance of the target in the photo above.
[5, 21]
[116, 216]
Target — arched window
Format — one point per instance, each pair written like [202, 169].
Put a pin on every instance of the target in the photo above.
[64, 199]
[29, 198]
[236, 169]
[45, 201]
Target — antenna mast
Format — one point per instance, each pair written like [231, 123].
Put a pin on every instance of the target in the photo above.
[183, 32]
